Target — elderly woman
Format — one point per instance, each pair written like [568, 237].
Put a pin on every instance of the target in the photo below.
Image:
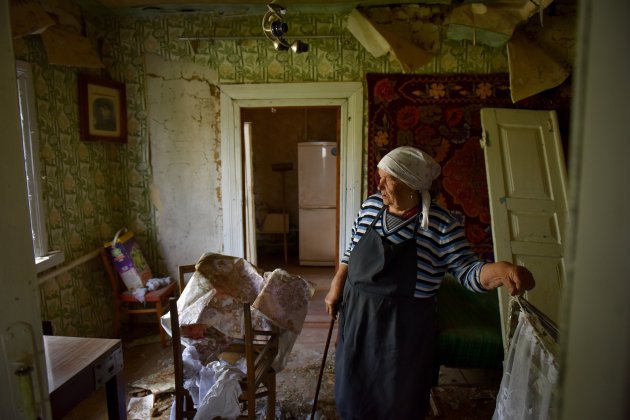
[402, 245]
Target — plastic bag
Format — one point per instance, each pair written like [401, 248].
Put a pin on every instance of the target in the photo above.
[128, 260]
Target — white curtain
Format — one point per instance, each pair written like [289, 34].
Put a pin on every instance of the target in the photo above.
[530, 371]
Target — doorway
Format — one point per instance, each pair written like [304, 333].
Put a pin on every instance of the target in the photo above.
[347, 96]
[276, 133]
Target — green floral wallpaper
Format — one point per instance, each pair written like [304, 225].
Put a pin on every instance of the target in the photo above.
[93, 189]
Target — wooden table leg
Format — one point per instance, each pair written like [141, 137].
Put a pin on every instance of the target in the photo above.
[116, 401]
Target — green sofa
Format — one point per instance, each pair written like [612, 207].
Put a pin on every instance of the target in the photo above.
[468, 328]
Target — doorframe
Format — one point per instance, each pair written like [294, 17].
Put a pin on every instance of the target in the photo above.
[346, 95]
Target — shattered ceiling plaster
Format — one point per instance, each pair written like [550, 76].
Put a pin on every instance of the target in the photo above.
[60, 24]
[411, 34]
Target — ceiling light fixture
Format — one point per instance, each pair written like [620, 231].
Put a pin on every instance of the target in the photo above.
[275, 28]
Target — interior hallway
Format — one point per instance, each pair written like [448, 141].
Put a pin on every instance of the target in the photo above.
[460, 394]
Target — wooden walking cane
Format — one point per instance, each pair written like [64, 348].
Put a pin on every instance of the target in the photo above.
[321, 370]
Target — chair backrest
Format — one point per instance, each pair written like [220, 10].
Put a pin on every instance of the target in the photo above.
[183, 270]
[114, 279]
[184, 408]
[261, 348]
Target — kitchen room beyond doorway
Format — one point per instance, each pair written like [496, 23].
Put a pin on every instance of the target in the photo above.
[275, 135]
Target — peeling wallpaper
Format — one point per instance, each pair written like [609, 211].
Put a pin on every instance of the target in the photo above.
[93, 189]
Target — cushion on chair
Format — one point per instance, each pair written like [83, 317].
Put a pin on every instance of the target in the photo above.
[469, 327]
[152, 296]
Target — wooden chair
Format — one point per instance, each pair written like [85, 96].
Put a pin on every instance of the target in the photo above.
[184, 407]
[183, 270]
[155, 302]
[258, 347]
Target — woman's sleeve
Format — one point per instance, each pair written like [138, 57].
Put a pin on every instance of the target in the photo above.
[354, 238]
[462, 262]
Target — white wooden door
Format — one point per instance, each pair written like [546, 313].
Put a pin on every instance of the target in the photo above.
[24, 390]
[250, 216]
[527, 190]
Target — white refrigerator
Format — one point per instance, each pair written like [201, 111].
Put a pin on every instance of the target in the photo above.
[317, 192]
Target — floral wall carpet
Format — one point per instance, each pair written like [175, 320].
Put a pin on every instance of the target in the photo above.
[440, 114]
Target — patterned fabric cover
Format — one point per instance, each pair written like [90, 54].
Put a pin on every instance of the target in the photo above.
[284, 299]
[210, 307]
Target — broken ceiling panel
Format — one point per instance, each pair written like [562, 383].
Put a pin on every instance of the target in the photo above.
[28, 17]
[69, 49]
[494, 27]
[59, 22]
[366, 34]
[491, 23]
[532, 70]
[557, 36]
[408, 33]
[65, 12]
[410, 56]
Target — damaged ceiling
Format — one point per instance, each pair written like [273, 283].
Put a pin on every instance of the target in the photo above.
[539, 36]
[539, 42]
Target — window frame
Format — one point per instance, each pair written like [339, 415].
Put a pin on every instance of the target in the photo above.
[30, 142]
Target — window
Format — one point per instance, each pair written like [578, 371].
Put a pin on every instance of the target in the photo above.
[30, 142]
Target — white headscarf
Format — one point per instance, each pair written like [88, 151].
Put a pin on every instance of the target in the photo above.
[416, 169]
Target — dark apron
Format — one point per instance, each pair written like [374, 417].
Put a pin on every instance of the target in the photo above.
[384, 354]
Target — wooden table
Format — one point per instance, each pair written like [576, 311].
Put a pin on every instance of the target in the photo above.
[78, 366]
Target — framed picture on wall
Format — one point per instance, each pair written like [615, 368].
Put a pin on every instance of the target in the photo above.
[102, 109]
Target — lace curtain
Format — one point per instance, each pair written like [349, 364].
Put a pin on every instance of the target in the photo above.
[530, 372]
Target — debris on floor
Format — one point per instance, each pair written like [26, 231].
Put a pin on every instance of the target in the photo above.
[140, 407]
[157, 387]
[157, 382]
[464, 402]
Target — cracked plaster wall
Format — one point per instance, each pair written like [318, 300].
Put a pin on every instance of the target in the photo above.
[183, 111]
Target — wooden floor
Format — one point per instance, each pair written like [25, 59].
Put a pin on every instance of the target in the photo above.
[461, 394]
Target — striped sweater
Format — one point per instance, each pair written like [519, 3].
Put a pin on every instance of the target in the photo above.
[441, 248]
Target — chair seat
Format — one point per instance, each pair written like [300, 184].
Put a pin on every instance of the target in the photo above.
[152, 296]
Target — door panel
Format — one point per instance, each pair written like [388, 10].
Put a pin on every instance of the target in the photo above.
[527, 191]
[250, 212]
[21, 344]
